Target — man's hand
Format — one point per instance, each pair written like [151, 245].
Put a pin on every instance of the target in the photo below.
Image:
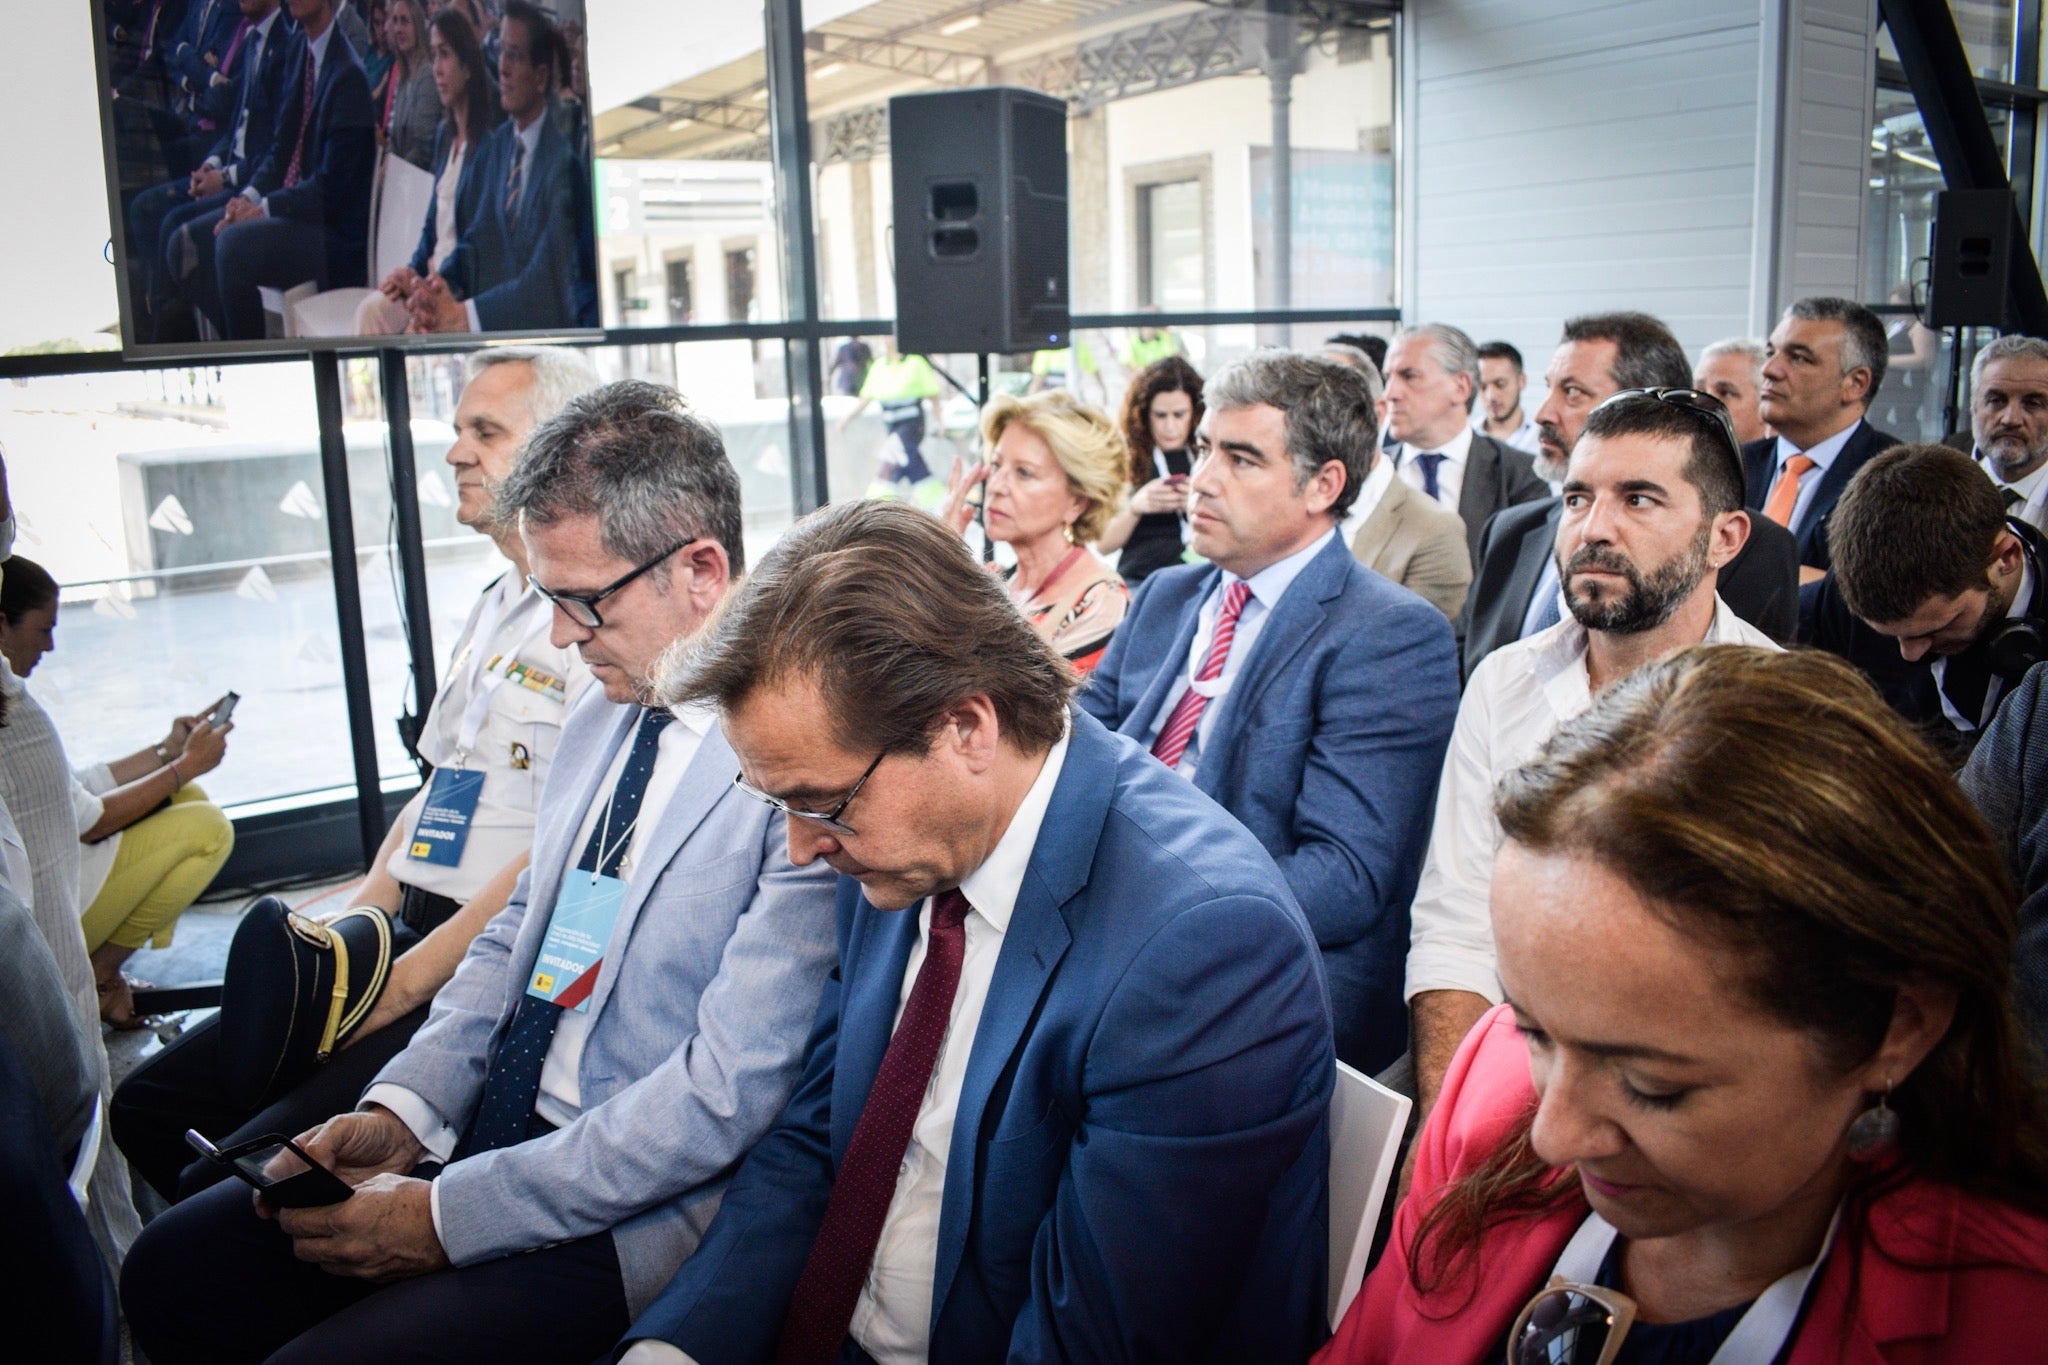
[238, 210]
[205, 181]
[399, 284]
[435, 308]
[384, 1231]
[362, 1145]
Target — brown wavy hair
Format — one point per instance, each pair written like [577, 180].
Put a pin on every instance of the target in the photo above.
[1772, 806]
[1169, 374]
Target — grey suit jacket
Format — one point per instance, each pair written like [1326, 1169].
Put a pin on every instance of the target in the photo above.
[1497, 476]
[2007, 777]
[699, 1018]
[1419, 545]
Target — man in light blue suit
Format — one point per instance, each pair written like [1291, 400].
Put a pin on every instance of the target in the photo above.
[617, 1038]
[1066, 1098]
[1312, 698]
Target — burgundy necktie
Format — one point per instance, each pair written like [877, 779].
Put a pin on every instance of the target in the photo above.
[298, 161]
[822, 1307]
[1187, 713]
[227, 63]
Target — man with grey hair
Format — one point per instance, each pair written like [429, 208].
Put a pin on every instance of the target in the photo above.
[1307, 695]
[2009, 419]
[1826, 361]
[1732, 369]
[1432, 382]
[491, 736]
[533, 1168]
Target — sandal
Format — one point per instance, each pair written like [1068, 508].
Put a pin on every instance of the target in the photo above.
[117, 1002]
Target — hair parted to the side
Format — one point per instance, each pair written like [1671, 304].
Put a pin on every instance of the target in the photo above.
[1646, 354]
[1774, 809]
[1919, 521]
[1168, 374]
[559, 373]
[1864, 343]
[635, 456]
[2005, 348]
[1752, 351]
[1087, 445]
[1453, 350]
[883, 609]
[1327, 406]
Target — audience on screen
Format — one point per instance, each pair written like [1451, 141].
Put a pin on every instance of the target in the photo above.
[408, 104]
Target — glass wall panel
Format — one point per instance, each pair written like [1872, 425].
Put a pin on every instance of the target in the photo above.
[182, 513]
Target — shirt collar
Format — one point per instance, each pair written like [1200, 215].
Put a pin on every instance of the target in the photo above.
[318, 46]
[530, 135]
[697, 717]
[2024, 487]
[992, 888]
[1269, 583]
[1454, 450]
[1558, 657]
[261, 29]
[1822, 454]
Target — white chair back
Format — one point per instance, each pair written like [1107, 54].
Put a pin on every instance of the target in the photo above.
[1366, 1121]
[404, 195]
[88, 1151]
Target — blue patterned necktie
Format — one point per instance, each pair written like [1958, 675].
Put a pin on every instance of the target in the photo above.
[1429, 464]
[504, 1117]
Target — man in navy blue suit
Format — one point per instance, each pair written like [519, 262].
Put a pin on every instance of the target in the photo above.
[242, 99]
[1825, 363]
[1312, 698]
[1067, 1093]
[525, 259]
[305, 213]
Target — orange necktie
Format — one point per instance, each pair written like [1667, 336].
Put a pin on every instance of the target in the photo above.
[1785, 492]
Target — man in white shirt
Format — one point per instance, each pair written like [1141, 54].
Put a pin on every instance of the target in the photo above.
[535, 1165]
[1067, 1091]
[1499, 412]
[1652, 513]
[2009, 419]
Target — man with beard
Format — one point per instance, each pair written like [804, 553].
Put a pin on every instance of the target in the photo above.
[1931, 562]
[2009, 418]
[1652, 512]
[1514, 581]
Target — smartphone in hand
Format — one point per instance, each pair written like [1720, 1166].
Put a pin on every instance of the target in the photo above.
[223, 710]
[278, 1167]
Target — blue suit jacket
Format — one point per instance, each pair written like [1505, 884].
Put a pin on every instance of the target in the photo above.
[1328, 747]
[1759, 463]
[260, 88]
[1139, 1163]
[207, 29]
[697, 1023]
[333, 190]
[538, 273]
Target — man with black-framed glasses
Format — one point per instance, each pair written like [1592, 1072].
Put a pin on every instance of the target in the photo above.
[1652, 512]
[530, 1171]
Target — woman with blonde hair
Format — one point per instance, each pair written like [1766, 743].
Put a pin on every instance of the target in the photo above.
[1757, 1092]
[1054, 477]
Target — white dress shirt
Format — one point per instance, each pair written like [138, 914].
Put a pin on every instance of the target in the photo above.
[1522, 438]
[1268, 586]
[251, 58]
[2032, 490]
[2022, 603]
[1516, 698]
[1450, 475]
[892, 1320]
[529, 139]
[1823, 456]
[560, 1098]
[1371, 494]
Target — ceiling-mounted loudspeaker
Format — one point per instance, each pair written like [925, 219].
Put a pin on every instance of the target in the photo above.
[1968, 278]
[979, 181]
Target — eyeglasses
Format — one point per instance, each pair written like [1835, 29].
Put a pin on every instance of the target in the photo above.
[582, 608]
[1571, 1324]
[829, 819]
[1702, 405]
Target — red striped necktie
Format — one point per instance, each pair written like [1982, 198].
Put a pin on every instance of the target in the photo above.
[1187, 712]
[298, 161]
[821, 1309]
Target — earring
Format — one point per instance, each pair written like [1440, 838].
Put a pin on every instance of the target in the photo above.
[1875, 1131]
[1069, 528]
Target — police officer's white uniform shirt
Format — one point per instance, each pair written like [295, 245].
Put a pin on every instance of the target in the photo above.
[503, 652]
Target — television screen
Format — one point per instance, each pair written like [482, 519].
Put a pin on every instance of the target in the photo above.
[295, 173]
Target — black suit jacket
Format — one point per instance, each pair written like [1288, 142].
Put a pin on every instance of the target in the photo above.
[1759, 465]
[340, 161]
[259, 88]
[2007, 777]
[1497, 476]
[1761, 584]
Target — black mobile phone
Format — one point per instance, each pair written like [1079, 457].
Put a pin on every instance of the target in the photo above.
[277, 1166]
[223, 710]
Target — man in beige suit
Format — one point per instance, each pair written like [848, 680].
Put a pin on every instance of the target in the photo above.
[1395, 531]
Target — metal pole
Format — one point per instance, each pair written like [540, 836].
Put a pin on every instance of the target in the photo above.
[348, 600]
[790, 140]
[405, 502]
[1280, 40]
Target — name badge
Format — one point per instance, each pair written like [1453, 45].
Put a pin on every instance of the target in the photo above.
[443, 829]
[572, 953]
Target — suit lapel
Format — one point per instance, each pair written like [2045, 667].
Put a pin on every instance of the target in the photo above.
[545, 883]
[707, 778]
[1536, 547]
[1172, 673]
[1377, 533]
[879, 952]
[1476, 500]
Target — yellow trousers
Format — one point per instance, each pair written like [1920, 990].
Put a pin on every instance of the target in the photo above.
[165, 860]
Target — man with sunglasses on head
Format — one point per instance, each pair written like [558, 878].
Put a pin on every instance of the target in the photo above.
[530, 1171]
[1651, 514]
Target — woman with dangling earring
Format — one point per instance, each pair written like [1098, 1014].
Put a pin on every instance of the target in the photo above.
[1756, 1092]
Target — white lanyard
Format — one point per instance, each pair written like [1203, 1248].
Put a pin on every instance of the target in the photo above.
[483, 680]
[1763, 1330]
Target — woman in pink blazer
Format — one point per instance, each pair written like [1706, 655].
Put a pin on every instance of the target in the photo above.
[1756, 1093]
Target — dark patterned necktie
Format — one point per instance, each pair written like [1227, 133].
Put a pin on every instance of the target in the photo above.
[504, 1115]
[515, 181]
[298, 161]
[1429, 464]
[826, 1294]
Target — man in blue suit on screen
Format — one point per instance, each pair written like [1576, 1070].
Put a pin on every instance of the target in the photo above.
[1312, 698]
[1066, 1097]
[525, 259]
